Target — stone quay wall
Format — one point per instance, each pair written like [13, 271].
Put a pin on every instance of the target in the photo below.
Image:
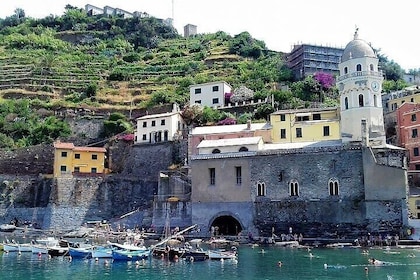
[65, 203]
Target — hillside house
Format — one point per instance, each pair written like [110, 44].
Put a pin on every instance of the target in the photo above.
[160, 127]
[210, 94]
[72, 160]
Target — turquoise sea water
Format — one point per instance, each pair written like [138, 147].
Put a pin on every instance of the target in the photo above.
[253, 263]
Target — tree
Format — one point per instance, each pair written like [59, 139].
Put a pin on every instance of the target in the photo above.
[116, 123]
[48, 130]
[192, 114]
[241, 94]
[19, 13]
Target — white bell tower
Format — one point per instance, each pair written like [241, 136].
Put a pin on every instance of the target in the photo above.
[360, 86]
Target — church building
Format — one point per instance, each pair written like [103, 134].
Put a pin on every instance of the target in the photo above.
[348, 187]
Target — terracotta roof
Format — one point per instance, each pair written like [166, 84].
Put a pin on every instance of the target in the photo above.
[60, 145]
[70, 146]
[90, 149]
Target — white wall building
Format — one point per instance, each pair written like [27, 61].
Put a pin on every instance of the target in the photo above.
[360, 86]
[159, 127]
[209, 94]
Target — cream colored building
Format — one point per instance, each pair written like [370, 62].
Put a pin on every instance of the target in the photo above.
[305, 125]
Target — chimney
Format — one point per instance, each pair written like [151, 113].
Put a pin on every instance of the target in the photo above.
[365, 134]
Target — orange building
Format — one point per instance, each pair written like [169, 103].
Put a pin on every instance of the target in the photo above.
[69, 160]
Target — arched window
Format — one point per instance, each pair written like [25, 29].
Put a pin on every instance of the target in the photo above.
[294, 188]
[375, 101]
[372, 68]
[261, 189]
[216, 151]
[346, 102]
[361, 101]
[243, 149]
[359, 67]
[165, 135]
[346, 70]
[333, 187]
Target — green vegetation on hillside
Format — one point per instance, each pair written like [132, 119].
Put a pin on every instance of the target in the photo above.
[114, 64]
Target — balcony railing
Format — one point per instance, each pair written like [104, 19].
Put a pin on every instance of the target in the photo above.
[360, 74]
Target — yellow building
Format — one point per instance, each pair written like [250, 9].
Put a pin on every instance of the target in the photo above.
[69, 159]
[414, 206]
[305, 125]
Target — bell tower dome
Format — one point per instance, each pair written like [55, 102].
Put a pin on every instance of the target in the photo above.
[360, 85]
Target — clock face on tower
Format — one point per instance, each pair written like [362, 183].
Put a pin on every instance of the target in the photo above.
[375, 86]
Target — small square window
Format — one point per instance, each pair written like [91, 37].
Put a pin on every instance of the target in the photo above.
[215, 100]
[197, 90]
[283, 117]
[299, 132]
[162, 122]
[93, 170]
[215, 88]
[144, 124]
[316, 117]
[63, 154]
[198, 102]
[77, 169]
[283, 133]
[144, 137]
[153, 123]
[77, 156]
[94, 157]
[63, 168]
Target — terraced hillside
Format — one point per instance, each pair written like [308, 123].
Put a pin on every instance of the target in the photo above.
[110, 77]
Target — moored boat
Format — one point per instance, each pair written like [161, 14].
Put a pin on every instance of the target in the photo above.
[80, 253]
[222, 254]
[11, 247]
[7, 227]
[101, 252]
[40, 246]
[125, 255]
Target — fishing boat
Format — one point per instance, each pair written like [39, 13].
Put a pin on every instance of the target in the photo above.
[7, 228]
[81, 252]
[11, 246]
[25, 247]
[126, 246]
[62, 249]
[101, 252]
[125, 255]
[40, 246]
[222, 254]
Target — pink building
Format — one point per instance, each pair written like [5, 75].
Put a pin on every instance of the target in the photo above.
[408, 132]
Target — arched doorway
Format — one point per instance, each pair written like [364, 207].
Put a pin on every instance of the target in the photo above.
[226, 225]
